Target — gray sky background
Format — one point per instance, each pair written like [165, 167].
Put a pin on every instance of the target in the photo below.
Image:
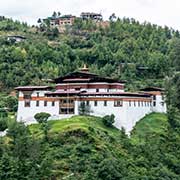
[161, 12]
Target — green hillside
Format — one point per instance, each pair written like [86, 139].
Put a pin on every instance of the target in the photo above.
[154, 124]
[82, 147]
[143, 54]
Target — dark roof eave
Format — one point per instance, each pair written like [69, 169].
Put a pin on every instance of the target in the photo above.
[152, 89]
[94, 77]
[31, 88]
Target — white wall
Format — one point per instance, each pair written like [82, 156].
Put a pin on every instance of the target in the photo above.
[125, 116]
[27, 113]
[159, 105]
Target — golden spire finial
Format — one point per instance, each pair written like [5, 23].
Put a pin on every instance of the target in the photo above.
[85, 68]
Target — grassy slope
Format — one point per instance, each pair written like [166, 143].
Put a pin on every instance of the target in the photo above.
[79, 142]
[154, 124]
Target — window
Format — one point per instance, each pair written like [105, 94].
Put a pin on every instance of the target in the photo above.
[27, 103]
[37, 103]
[65, 101]
[129, 103]
[95, 103]
[37, 94]
[134, 103]
[139, 103]
[97, 90]
[53, 103]
[118, 103]
[142, 103]
[77, 88]
[87, 103]
[105, 103]
[27, 96]
[45, 103]
[154, 103]
[154, 97]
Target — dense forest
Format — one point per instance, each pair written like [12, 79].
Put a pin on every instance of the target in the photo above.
[85, 147]
[143, 54]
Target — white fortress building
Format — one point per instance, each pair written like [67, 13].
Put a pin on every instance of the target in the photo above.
[82, 89]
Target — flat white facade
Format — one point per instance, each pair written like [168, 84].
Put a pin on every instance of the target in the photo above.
[102, 98]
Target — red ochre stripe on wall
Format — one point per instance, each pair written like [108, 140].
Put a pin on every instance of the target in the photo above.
[86, 99]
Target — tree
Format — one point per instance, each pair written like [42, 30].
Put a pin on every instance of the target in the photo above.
[11, 103]
[54, 15]
[84, 109]
[3, 124]
[108, 120]
[39, 21]
[112, 17]
[42, 119]
[59, 14]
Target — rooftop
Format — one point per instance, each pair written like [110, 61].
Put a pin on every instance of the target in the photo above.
[152, 89]
[30, 88]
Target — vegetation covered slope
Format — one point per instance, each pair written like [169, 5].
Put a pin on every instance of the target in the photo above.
[125, 49]
[82, 147]
[154, 124]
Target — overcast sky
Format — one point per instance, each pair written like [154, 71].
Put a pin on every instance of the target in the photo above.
[161, 12]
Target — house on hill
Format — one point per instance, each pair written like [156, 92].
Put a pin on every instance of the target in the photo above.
[100, 95]
[93, 16]
[16, 38]
[60, 22]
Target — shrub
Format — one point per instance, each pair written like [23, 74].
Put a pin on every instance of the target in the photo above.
[42, 117]
[3, 113]
[108, 120]
[84, 109]
[3, 124]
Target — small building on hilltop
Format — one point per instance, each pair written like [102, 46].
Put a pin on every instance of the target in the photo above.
[99, 96]
[60, 22]
[16, 38]
[93, 16]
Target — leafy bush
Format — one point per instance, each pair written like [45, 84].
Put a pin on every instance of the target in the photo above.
[3, 113]
[42, 117]
[108, 120]
[84, 109]
[3, 124]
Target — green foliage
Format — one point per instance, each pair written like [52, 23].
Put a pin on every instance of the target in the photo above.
[104, 49]
[82, 147]
[3, 124]
[84, 109]
[23, 157]
[42, 117]
[3, 113]
[108, 120]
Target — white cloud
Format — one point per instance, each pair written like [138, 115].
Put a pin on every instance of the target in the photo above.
[162, 12]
